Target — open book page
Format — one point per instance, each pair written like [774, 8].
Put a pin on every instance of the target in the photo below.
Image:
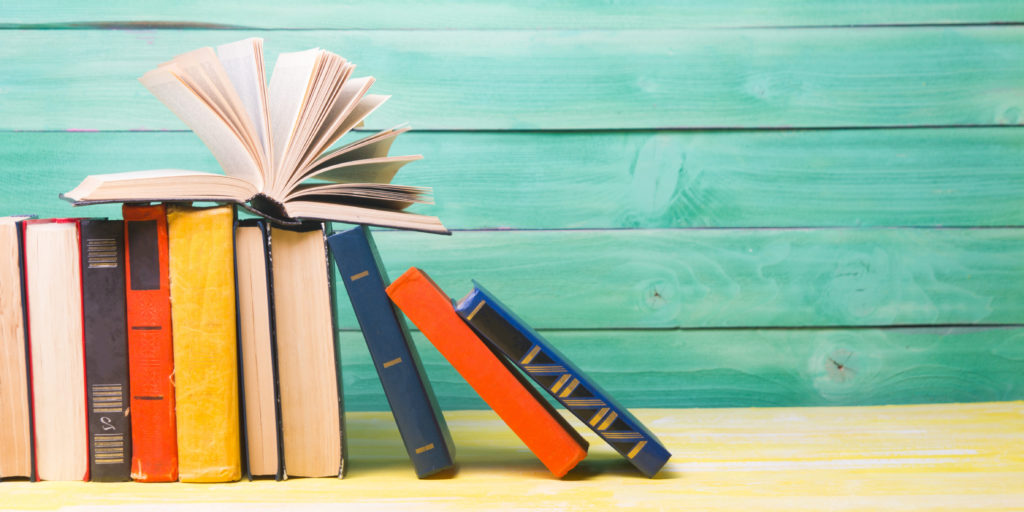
[289, 85]
[243, 63]
[372, 170]
[387, 196]
[203, 72]
[360, 215]
[161, 185]
[373, 146]
[351, 93]
[232, 154]
[328, 82]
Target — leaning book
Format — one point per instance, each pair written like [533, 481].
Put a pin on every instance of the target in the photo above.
[274, 141]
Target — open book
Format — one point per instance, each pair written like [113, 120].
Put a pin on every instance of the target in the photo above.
[272, 141]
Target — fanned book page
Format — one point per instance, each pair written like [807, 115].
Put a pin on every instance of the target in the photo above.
[273, 141]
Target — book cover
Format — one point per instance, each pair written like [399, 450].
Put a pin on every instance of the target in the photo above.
[106, 350]
[56, 348]
[202, 287]
[563, 380]
[260, 389]
[150, 353]
[408, 391]
[308, 356]
[16, 449]
[537, 424]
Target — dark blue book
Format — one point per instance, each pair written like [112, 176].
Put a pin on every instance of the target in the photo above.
[554, 372]
[406, 386]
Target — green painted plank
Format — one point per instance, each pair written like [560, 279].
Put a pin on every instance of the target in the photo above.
[916, 177]
[543, 80]
[728, 277]
[753, 368]
[509, 14]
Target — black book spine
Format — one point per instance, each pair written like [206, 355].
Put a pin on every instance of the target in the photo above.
[106, 350]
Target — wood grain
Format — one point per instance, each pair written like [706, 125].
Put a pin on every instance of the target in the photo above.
[728, 278]
[752, 368]
[933, 457]
[547, 80]
[919, 177]
[507, 14]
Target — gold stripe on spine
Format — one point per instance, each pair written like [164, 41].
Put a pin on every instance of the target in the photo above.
[597, 417]
[569, 389]
[530, 355]
[392, 362]
[424, 448]
[476, 310]
[636, 449]
[608, 421]
[560, 382]
[360, 275]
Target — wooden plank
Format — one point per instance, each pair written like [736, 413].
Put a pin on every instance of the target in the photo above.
[926, 458]
[509, 14]
[546, 80]
[918, 177]
[752, 368]
[728, 277]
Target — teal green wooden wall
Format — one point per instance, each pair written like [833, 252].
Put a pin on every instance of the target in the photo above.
[730, 203]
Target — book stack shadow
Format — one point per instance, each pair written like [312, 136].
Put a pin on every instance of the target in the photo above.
[185, 344]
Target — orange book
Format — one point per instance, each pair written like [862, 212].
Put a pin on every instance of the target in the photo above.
[519, 405]
[150, 351]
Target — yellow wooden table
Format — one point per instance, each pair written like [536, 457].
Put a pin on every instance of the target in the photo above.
[922, 457]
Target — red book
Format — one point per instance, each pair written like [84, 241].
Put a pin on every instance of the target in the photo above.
[150, 352]
[543, 430]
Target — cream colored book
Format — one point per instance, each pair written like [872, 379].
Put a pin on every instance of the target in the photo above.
[274, 141]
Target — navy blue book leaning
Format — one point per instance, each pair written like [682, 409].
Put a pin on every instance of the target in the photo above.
[408, 391]
[524, 347]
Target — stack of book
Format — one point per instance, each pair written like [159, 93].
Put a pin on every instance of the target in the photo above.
[184, 343]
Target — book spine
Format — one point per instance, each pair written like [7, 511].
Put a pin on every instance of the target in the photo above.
[419, 419]
[539, 426]
[16, 431]
[59, 432]
[202, 280]
[559, 377]
[326, 229]
[106, 350]
[150, 352]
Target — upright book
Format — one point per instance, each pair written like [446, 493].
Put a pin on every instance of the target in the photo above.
[258, 351]
[106, 350]
[563, 380]
[53, 291]
[202, 279]
[540, 427]
[309, 364]
[15, 416]
[150, 354]
[273, 142]
[405, 383]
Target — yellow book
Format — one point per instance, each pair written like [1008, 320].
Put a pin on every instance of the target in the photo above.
[202, 275]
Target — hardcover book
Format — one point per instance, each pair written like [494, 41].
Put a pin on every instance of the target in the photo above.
[202, 279]
[15, 415]
[309, 364]
[398, 365]
[258, 350]
[106, 350]
[150, 354]
[537, 424]
[273, 141]
[53, 292]
[563, 380]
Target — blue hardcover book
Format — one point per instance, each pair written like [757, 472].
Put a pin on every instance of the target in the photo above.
[524, 347]
[408, 391]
